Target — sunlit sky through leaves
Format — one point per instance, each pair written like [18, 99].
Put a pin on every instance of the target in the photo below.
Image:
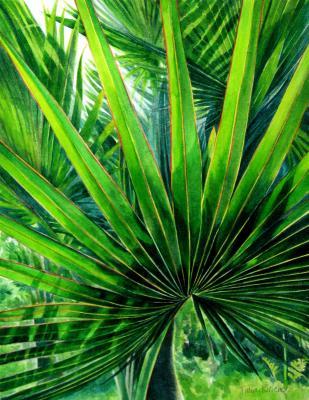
[37, 9]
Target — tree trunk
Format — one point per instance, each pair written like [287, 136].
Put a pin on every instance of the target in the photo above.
[163, 383]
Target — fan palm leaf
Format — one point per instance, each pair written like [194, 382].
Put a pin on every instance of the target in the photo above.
[232, 237]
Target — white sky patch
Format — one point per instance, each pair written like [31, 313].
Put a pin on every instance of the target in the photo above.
[36, 8]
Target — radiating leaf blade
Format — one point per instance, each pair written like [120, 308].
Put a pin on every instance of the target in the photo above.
[225, 162]
[146, 178]
[186, 165]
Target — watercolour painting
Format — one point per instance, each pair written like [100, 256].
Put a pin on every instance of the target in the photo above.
[153, 199]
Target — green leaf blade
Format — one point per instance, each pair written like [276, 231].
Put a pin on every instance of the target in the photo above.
[186, 164]
[225, 162]
[144, 172]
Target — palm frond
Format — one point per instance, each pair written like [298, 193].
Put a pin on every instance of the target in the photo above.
[223, 225]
